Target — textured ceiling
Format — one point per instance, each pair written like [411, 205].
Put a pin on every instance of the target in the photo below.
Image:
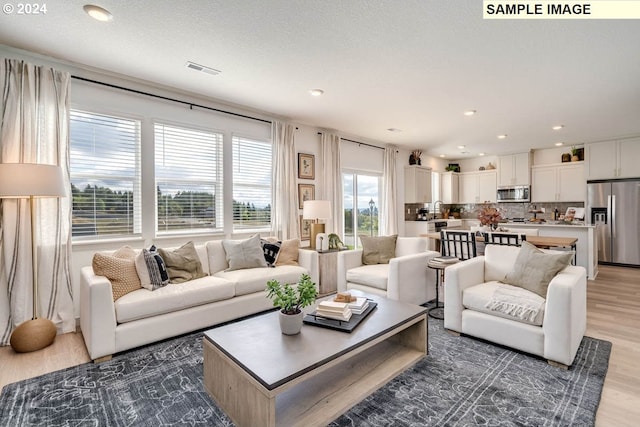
[410, 65]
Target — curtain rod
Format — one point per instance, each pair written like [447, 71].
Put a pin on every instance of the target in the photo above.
[358, 142]
[166, 98]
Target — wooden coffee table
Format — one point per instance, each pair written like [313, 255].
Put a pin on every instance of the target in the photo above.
[261, 377]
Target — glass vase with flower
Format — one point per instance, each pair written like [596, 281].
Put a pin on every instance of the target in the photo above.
[490, 217]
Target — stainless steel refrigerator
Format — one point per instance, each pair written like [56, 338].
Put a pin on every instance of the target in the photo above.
[615, 206]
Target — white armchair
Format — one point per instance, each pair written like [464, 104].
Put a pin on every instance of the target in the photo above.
[555, 334]
[406, 278]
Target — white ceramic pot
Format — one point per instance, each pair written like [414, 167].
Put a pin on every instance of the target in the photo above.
[290, 324]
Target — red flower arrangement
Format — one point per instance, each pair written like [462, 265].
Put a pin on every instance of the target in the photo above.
[489, 216]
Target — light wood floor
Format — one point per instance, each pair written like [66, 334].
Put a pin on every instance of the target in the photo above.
[613, 315]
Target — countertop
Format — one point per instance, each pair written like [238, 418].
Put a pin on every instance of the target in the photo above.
[544, 224]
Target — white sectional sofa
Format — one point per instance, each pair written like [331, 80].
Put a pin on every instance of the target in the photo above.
[143, 316]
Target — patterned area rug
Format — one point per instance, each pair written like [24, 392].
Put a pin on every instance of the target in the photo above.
[462, 382]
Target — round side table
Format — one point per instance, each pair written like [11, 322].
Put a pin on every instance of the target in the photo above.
[437, 312]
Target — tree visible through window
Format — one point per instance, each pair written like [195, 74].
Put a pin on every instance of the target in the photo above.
[361, 203]
[252, 176]
[105, 175]
[188, 170]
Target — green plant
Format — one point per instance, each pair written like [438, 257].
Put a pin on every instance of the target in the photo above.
[289, 299]
[574, 151]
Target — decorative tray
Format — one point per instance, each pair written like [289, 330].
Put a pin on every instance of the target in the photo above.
[339, 325]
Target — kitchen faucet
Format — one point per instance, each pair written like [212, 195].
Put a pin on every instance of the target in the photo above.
[435, 204]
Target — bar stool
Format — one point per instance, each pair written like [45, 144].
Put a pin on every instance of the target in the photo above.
[455, 246]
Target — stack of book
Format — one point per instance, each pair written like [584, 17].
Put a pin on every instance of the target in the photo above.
[334, 310]
[359, 305]
[445, 259]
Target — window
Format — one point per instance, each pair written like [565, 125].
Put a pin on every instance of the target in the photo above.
[105, 175]
[252, 176]
[188, 172]
[361, 201]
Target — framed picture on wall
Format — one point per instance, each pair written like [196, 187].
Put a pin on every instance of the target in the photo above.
[305, 228]
[305, 192]
[306, 166]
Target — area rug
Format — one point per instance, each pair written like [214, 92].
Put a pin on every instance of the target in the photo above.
[462, 382]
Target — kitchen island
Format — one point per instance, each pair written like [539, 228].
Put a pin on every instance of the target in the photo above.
[586, 246]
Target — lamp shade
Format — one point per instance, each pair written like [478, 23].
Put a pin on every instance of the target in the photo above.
[20, 180]
[316, 209]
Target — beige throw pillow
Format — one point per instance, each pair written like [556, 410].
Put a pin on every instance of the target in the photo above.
[244, 253]
[183, 264]
[534, 269]
[378, 250]
[120, 269]
[288, 254]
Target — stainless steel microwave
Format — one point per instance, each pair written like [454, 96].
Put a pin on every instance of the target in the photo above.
[514, 193]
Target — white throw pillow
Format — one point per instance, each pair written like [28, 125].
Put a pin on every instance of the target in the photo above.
[244, 253]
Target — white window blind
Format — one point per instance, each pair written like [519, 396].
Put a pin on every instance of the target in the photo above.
[188, 171]
[105, 175]
[252, 188]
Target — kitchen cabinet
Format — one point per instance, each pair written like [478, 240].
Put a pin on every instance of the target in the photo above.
[563, 182]
[478, 187]
[449, 183]
[514, 169]
[417, 184]
[613, 159]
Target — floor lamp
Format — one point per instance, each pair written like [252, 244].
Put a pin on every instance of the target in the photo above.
[316, 210]
[30, 181]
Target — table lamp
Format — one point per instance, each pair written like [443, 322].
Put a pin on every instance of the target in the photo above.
[316, 210]
[30, 181]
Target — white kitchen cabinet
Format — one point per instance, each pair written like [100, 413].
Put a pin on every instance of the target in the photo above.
[613, 159]
[417, 184]
[514, 169]
[478, 187]
[563, 182]
[449, 185]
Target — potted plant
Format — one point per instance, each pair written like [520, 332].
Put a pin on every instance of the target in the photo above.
[291, 300]
[575, 156]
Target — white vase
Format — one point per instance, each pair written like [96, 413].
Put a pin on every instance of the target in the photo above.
[290, 324]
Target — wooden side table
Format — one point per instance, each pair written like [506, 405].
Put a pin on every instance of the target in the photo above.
[328, 266]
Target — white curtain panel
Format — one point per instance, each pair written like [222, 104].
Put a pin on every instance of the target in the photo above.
[332, 181]
[389, 212]
[285, 195]
[34, 129]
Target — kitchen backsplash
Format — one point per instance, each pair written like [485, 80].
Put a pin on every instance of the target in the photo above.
[518, 210]
[508, 210]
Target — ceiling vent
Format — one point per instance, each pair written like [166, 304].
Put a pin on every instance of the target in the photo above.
[202, 68]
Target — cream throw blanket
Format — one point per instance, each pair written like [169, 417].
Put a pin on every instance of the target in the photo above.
[516, 302]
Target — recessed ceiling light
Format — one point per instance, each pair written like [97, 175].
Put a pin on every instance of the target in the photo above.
[557, 127]
[316, 92]
[441, 155]
[470, 112]
[559, 144]
[480, 154]
[394, 130]
[461, 147]
[98, 13]
[503, 136]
